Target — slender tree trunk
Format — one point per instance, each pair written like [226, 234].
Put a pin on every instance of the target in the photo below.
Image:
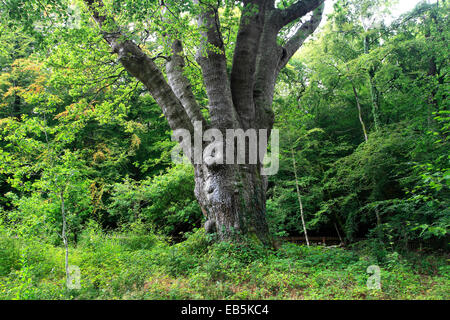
[358, 105]
[432, 70]
[300, 203]
[373, 89]
[375, 101]
[379, 231]
[64, 235]
[338, 233]
[360, 113]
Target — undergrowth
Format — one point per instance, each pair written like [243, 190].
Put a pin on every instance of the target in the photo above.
[143, 266]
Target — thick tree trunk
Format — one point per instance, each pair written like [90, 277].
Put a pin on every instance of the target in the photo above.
[233, 199]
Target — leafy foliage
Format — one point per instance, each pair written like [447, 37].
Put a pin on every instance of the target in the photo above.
[363, 112]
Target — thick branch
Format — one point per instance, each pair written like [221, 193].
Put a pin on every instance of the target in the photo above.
[142, 67]
[269, 54]
[212, 60]
[244, 59]
[272, 57]
[302, 33]
[296, 11]
[178, 81]
[181, 85]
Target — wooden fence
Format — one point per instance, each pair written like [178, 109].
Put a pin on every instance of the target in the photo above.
[317, 240]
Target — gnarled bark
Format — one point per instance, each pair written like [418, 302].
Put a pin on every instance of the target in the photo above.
[233, 198]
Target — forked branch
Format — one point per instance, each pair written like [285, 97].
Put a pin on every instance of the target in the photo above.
[141, 66]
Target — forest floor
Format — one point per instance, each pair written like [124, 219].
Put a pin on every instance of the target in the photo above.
[147, 267]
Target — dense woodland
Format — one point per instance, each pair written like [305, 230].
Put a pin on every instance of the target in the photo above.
[86, 176]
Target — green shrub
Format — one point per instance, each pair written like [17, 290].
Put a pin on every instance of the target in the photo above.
[9, 254]
[166, 201]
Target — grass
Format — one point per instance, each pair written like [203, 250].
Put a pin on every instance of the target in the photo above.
[139, 266]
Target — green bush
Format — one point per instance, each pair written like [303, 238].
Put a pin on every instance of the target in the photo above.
[139, 265]
[166, 201]
[9, 254]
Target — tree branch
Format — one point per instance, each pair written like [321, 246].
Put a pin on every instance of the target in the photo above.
[244, 59]
[296, 11]
[175, 65]
[212, 60]
[142, 67]
[272, 57]
[302, 33]
[181, 85]
[266, 65]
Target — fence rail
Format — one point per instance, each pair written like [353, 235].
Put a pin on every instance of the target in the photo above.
[319, 240]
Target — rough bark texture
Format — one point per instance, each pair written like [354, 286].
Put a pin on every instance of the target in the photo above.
[232, 197]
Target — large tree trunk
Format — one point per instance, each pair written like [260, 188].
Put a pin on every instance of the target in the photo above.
[232, 196]
[233, 199]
